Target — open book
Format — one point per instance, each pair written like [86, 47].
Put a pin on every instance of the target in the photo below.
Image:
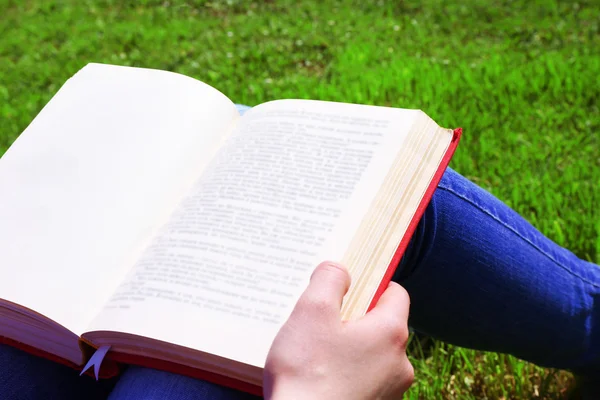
[139, 210]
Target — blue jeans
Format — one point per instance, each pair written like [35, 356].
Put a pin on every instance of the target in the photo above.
[478, 275]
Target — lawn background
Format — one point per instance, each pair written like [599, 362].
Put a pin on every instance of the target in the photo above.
[521, 77]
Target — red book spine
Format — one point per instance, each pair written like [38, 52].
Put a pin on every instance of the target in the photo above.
[108, 369]
[417, 217]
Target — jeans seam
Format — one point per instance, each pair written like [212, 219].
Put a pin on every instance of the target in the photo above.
[510, 228]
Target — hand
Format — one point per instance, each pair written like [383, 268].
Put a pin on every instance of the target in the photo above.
[317, 356]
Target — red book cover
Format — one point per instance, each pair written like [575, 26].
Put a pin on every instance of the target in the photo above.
[417, 217]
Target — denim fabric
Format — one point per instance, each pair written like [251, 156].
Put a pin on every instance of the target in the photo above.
[242, 108]
[478, 274]
[25, 377]
[142, 383]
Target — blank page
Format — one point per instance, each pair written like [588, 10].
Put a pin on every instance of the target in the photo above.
[83, 189]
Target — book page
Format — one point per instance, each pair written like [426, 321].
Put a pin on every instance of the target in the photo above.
[93, 177]
[286, 191]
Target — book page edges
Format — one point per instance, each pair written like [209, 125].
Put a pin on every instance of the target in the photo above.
[111, 365]
[456, 135]
[108, 370]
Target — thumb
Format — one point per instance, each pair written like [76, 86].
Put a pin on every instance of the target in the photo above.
[393, 306]
[328, 285]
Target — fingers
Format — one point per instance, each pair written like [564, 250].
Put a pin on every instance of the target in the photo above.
[394, 300]
[328, 285]
[391, 311]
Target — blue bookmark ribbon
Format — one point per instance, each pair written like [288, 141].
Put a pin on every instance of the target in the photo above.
[96, 360]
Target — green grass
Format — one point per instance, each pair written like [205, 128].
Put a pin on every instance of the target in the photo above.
[521, 77]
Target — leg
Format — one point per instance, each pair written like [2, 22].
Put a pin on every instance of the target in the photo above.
[481, 276]
[26, 377]
[149, 384]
